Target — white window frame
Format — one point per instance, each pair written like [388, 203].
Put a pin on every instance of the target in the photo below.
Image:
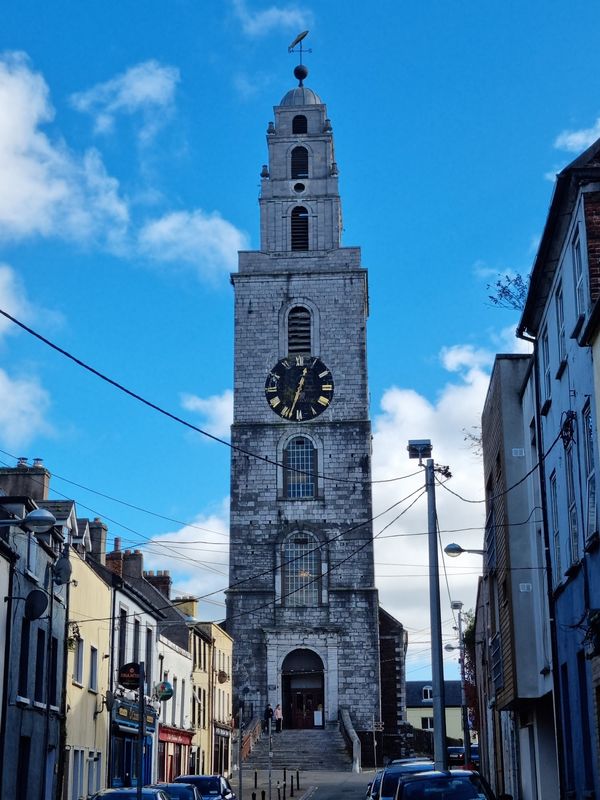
[578, 283]
[546, 378]
[426, 723]
[591, 516]
[93, 674]
[427, 693]
[554, 519]
[78, 659]
[570, 464]
[560, 324]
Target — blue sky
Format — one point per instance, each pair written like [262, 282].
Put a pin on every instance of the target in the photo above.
[131, 141]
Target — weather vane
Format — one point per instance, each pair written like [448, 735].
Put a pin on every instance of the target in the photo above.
[300, 71]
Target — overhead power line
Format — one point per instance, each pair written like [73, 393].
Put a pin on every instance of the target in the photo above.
[185, 423]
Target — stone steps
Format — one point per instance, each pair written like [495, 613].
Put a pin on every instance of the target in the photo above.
[302, 749]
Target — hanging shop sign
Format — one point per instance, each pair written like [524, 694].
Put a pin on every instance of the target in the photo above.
[163, 690]
[129, 675]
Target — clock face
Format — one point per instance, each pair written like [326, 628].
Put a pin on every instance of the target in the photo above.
[299, 388]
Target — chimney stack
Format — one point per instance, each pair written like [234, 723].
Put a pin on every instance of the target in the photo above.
[187, 606]
[98, 531]
[133, 564]
[26, 481]
[161, 581]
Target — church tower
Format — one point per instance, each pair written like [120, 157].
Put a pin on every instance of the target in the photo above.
[302, 606]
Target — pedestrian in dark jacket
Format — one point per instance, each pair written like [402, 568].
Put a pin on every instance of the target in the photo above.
[268, 716]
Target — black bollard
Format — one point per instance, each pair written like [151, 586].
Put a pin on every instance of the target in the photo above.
[253, 795]
[285, 774]
[284, 789]
[262, 794]
[298, 780]
[255, 781]
[278, 791]
[291, 785]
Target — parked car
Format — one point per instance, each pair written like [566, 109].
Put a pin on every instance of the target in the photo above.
[475, 756]
[456, 756]
[457, 784]
[209, 786]
[410, 760]
[373, 787]
[130, 793]
[392, 774]
[179, 791]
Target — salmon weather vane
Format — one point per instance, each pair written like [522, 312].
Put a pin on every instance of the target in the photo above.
[300, 71]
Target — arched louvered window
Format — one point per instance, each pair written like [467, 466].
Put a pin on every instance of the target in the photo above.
[299, 162]
[299, 124]
[299, 330]
[299, 228]
[300, 468]
[301, 570]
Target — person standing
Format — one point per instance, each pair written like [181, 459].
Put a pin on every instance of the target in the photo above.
[268, 716]
[278, 714]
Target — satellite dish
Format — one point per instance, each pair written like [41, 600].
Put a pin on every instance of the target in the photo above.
[62, 571]
[297, 40]
[35, 604]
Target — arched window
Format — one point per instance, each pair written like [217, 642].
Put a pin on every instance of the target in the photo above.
[298, 330]
[299, 124]
[301, 570]
[301, 455]
[299, 162]
[299, 228]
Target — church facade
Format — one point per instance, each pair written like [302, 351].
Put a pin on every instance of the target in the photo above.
[302, 606]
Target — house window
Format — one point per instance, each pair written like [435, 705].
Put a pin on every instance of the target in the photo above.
[32, 547]
[572, 506]
[546, 382]
[300, 454]
[555, 528]
[78, 661]
[93, 669]
[136, 641]
[299, 330]
[590, 472]
[299, 229]
[301, 570]
[427, 723]
[23, 690]
[560, 324]
[174, 702]
[182, 705]
[122, 637]
[578, 278]
[40, 657]
[427, 693]
[148, 661]
[496, 662]
[299, 162]
[299, 124]
[53, 699]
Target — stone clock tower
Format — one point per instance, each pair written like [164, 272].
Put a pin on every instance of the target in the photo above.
[302, 606]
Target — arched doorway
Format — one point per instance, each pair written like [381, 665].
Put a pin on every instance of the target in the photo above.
[303, 682]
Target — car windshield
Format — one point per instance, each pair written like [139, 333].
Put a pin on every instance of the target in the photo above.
[442, 788]
[179, 791]
[392, 776]
[208, 785]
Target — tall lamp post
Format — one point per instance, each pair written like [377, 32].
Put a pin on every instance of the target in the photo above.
[421, 448]
[456, 605]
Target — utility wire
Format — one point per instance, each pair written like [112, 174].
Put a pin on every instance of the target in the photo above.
[184, 422]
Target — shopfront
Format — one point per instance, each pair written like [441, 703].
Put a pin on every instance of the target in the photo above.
[222, 751]
[174, 747]
[124, 744]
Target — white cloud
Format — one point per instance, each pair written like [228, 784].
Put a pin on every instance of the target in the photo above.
[507, 342]
[206, 242]
[46, 189]
[13, 300]
[260, 23]
[578, 140]
[402, 562]
[23, 407]
[217, 411]
[197, 559]
[147, 89]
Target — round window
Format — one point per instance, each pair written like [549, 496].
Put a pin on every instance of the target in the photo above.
[299, 187]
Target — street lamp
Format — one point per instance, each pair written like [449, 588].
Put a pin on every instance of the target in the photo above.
[455, 550]
[456, 605]
[37, 521]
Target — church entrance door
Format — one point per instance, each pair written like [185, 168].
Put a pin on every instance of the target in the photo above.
[303, 682]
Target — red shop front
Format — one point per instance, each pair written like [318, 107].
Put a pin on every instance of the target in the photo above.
[173, 752]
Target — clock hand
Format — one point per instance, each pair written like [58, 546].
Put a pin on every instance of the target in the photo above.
[299, 389]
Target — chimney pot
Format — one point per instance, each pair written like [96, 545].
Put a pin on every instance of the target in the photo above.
[117, 542]
[22, 462]
[38, 462]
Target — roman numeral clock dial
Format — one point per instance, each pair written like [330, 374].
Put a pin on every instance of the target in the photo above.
[299, 388]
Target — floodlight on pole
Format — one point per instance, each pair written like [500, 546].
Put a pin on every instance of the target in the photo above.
[40, 520]
[455, 550]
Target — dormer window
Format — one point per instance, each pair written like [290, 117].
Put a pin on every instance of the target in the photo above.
[427, 693]
[299, 124]
[299, 230]
[299, 162]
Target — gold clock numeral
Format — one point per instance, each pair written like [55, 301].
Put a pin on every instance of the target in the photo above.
[285, 363]
[322, 374]
[324, 401]
[286, 412]
[271, 389]
[274, 376]
[298, 414]
[299, 361]
[327, 387]
[274, 402]
[314, 411]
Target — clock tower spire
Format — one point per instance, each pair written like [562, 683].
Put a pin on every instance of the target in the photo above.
[302, 606]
